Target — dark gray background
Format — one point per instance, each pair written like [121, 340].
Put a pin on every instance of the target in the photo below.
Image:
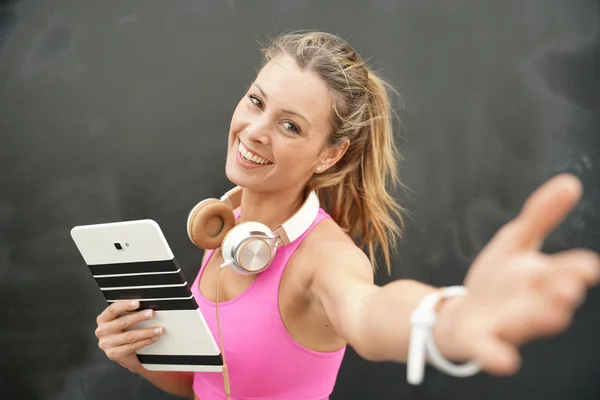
[113, 110]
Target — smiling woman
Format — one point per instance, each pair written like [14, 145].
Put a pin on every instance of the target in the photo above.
[310, 147]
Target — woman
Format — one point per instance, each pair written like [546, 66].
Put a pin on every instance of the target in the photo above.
[317, 118]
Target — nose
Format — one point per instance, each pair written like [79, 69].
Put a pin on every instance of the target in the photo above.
[258, 130]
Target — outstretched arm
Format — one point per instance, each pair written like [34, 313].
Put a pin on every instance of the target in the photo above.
[516, 293]
[373, 320]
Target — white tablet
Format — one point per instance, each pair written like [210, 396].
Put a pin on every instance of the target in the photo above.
[132, 260]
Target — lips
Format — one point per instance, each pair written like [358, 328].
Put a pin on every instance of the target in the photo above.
[252, 156]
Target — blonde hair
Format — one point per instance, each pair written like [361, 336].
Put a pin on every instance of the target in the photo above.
[355, 191]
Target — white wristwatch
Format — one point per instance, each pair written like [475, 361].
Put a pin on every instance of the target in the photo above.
[422, 346]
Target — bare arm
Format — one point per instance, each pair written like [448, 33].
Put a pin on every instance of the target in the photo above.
[175, 383]
[516, 293]
[385, 328]
[373, 320]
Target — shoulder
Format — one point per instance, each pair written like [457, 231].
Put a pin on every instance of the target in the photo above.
[341, 277]
[334, 255]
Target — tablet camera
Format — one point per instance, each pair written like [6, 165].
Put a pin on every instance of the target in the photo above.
[118, 245]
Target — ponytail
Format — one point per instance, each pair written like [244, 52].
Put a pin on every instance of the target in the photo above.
[355, 190]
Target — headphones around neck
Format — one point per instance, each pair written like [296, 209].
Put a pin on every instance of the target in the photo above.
[249, 247]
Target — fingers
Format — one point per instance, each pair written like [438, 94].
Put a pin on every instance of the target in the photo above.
[545, 210]
[124, 322]
[579, 262]
[116, 309]
[566, 291]
[496, 356]
[556, 291]
[542, 212]
[120, 344]
[565, 281]
[118, 353]
[130, 338]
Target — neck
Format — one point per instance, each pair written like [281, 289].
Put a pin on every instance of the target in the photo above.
[270, 208]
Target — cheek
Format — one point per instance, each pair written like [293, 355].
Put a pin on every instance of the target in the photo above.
[237, 118]
[295, 157]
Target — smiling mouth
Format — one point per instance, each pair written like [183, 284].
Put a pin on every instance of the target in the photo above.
[250, 157]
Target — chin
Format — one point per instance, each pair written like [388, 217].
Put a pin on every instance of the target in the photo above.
[236, 175]
[231, 172]
[233, 176]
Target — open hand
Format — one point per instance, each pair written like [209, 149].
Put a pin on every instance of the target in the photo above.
[516, 292]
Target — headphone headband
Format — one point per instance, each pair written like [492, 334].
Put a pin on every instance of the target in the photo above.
[233, 197]
[291, 229]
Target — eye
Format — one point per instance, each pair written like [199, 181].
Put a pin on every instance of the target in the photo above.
[256, 101]
[292, 127]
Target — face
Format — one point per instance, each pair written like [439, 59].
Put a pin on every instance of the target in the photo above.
[279, 130]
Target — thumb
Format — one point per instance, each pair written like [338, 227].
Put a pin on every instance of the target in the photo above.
[545, 210]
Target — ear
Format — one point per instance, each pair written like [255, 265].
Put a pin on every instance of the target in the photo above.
[331, 155]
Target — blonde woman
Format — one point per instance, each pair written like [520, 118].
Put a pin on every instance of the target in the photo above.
[317, 119]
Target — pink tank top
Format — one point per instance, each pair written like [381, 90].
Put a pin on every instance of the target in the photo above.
[265, 363]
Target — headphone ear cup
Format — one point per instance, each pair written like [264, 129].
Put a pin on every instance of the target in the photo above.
[208, 223]
[249, 247]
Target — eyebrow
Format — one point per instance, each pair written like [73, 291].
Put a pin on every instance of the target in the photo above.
[285, 111]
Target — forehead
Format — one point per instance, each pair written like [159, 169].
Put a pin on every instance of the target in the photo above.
[289, 87]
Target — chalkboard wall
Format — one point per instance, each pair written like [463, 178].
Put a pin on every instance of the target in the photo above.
[113, 110]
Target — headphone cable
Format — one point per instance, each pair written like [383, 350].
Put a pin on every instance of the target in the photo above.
[225, 369]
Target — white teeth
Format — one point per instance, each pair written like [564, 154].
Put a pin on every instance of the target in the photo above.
[251, 157]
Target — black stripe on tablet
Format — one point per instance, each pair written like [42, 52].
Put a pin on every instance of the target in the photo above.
[162, 305]
[140, 280]
[180, 360]
[135, 267]
[147, 293]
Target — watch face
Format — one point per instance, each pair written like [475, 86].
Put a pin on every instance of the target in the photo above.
[254, 253]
